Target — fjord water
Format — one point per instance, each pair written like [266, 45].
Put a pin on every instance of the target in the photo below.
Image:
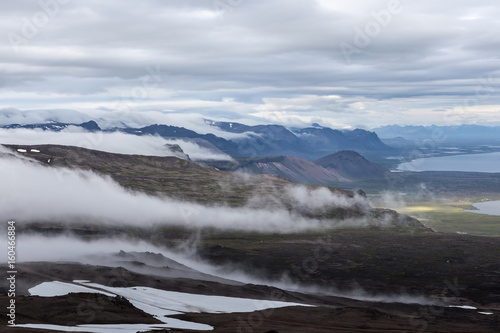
[488, 208]
[489, 162]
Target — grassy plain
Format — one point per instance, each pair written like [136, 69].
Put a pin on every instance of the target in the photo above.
[451, 216]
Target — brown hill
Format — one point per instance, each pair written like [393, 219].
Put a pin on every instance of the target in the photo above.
[294, 169]
[178, 178]
[351, 165]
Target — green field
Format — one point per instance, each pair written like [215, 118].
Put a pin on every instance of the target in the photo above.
[450, 217]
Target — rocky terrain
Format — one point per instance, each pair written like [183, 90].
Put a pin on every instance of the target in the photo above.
[356, 281]
[358, 269]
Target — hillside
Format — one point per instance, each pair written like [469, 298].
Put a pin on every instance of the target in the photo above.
[375, 275]
[294, 169]
[351, 165]
[344, 167]
[187, 181]
[156, 174]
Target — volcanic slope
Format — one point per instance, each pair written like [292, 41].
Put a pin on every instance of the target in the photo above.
[181, 179]
[294, 169]
[351, 165]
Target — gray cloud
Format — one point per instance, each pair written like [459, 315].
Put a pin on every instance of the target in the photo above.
[110, 142]
[32, 192]
[424, 55]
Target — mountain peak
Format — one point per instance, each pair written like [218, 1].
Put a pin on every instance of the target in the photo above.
[352, 165]
[90, 126]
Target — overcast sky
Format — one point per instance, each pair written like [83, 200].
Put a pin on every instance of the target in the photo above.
[339, 63]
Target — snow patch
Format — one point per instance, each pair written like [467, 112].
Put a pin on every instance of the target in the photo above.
[56, 288]
[159, 303]
[119, 328]
[466, 307]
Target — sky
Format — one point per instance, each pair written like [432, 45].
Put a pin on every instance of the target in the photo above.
[341, 64]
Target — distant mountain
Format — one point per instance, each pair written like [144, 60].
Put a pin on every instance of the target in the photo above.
[177, 178]
[174, 132]
[444, 134]
[339, 167]
[254, 141]
[309, 143]
[326, 141]
[351, 165]
[294, 169]
[265, 140]
[90, 126]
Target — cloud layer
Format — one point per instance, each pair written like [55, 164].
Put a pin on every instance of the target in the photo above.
[31, 192]
[332, 62]
[110, 142]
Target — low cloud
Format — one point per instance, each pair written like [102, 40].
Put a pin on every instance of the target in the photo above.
[109, 142]
[66, 248]
[112, 119]
[14, 116]
[35, 193]
[33, 248]
[32, 192]
[199, 153]
[322, 198]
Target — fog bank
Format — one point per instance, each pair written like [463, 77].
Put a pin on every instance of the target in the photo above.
[115, 142]
[32, 192]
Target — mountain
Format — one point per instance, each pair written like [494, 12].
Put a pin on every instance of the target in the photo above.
[463, 134]
[308, 143]
[334, 169]
[327, 140]
[372, 266]
[265, 140]
[187, 181]
[351, 165]
[294, 169]
[253, 141]
[90, 126]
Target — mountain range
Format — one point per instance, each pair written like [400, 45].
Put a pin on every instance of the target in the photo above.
[253, 141]
[462, 134]
[341, 167]
[187, 181]
[313, 155]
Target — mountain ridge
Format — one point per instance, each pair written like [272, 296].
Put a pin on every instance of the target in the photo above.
[308, 143]
[294, 169]
[353, 166]
[452, 133]
[187, 181]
